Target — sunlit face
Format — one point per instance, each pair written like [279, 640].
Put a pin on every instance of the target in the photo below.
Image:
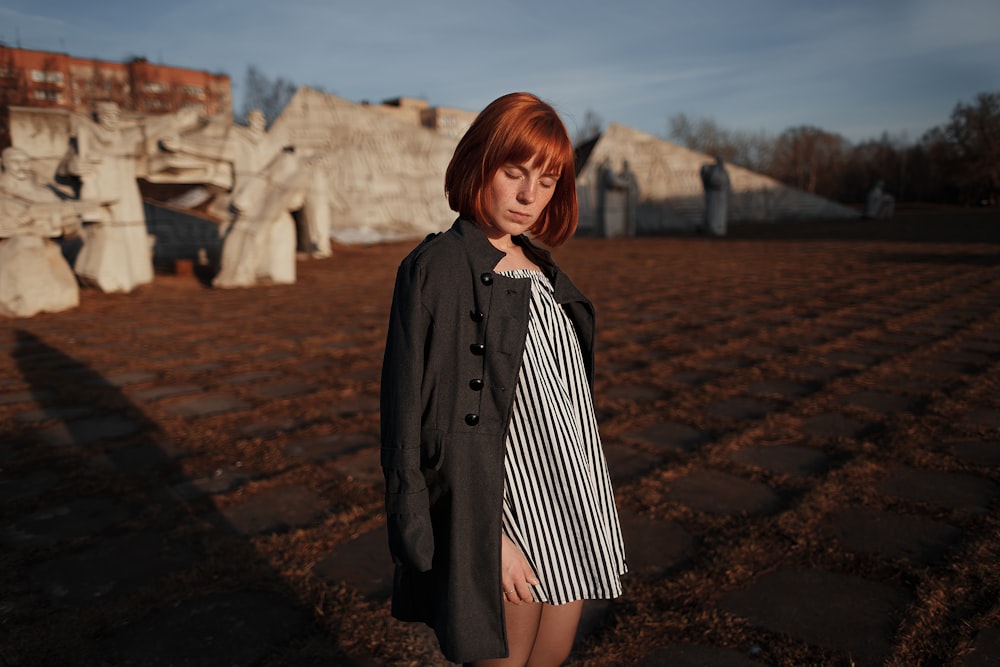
[517, 196]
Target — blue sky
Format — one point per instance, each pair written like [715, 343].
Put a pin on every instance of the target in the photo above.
[855, 67]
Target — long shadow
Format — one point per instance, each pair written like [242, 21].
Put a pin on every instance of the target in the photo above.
[110, 554]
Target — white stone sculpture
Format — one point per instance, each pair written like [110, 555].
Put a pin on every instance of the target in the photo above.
[715, 180]
[260, 243]
[879, 205]
[34, 275]
[108, 156]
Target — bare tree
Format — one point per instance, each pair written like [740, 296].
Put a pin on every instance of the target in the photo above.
[746, 149]
[268, 95]
[591, 128]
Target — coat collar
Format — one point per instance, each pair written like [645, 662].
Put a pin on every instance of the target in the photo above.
[481, 250]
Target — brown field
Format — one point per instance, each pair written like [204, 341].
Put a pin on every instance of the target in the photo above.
[190, 476]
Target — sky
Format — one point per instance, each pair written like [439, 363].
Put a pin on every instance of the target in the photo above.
[859, 68]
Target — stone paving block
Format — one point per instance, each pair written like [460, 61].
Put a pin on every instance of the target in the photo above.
[7, 453]
[285, 389]
[61, 413]
[634, 392]
[116, 566]
[247, 378]
[220, 481]
[122, 379]
[355, 407]
[784, 388]
[985, 649]
[138, 458]
[363, 564]
[695, 655]
[670, 436]
[83, 432]
[954, 490]
[881, 401]
[626, 463]
[783, 459]
[205, 405]
[76, 518]
[717, 492]
[31, 396]
[654, 546]
[690, 378]
[273, 510]
[986, 417]
[740, 408]
[893, 535]
[833, 425]
[31, 484]
[150, 394]
[839, 612]
[362, 466]
[981, 453]
[233, 628]
[329, 447]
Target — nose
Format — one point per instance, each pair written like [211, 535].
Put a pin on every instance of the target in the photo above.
[526, 193]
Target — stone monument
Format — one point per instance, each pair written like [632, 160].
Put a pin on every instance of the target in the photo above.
[715, 180]
[34, 275]
[619, 197]
[107, 156]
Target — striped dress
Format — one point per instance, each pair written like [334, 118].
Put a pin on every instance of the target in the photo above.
[558, 504]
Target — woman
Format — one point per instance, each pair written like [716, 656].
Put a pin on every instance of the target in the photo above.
[500, 513]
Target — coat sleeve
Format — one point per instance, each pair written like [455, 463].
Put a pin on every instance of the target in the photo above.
[411, 539]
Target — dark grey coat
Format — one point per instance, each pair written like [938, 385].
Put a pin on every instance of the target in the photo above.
[452, 357]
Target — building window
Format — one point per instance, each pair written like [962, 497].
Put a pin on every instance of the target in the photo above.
[154, 87]
[38, 76]
[193, 91]
[50, 95]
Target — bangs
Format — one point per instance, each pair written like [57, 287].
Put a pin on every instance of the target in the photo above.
[544, 143]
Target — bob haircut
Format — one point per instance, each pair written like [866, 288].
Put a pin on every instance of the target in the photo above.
[513, 129]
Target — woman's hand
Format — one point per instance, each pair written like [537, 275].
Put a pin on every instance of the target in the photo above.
[516, 575]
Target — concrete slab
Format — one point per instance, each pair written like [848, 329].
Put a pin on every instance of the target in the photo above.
[284, 389]
[717, 492]
[953, 490]
[833, 425]
[638, 393]
[272, 511]
[977, 452]
[220, 481]
[84, 432]
[139, 458]
[207, 404]
[114, 567]
[740, 408]
[31, 484]
[654, 546]
[151, 394]
[363, 564]
[363, 466]
[784, 388]
[669, 436]
[881, 401]
[329, 447]
[59, 412]
[51, 525]
[893, 535]
[783, 459]
[983, 418]
[626, 463]
[235, 628]
[985, 649]
[840, 612]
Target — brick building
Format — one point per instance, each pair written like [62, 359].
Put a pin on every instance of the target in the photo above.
[60, 81]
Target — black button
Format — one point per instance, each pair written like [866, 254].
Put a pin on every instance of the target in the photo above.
[487, 278]
[472, 419]
[477, 348]
[477, 316]
[475, 384]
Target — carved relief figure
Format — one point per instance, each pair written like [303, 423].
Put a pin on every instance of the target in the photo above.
[34, 275]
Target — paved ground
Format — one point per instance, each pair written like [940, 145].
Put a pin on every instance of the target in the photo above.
[802, 421]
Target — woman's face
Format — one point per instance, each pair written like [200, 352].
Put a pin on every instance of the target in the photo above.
[517, 195]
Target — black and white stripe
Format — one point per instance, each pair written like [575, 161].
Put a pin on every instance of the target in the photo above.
[558, 504]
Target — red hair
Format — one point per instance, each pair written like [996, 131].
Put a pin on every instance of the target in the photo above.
[513, 129]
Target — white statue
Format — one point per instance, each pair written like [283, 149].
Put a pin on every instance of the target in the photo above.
[879, 205]
[34, 275]
[715, 180]
[260, 244]
[108, 157]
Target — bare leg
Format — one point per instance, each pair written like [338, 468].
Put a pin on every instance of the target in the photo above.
[556, 631]
[522, 627]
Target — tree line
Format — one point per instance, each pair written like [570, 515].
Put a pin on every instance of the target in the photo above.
[957, 162]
